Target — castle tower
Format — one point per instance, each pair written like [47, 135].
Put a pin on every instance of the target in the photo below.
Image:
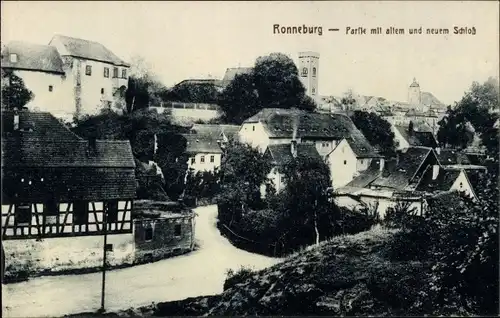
[309, 73]
[414, 93]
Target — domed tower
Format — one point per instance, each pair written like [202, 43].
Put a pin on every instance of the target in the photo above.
[309, 73]
[414, 93]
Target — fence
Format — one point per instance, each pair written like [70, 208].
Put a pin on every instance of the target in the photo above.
[248, 244]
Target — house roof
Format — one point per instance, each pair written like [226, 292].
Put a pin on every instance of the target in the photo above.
[232, 72]
[452, 157]
[428, 98]
[284, 123]
[215, 131]
[418, 138]
[88, 50]
[399, 175]
[366, 177]
[201, 144]
[32, 57]
[281, 154]
[51, 154]
[443, 181]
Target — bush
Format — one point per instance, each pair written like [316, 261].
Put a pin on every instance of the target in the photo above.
[237, 277]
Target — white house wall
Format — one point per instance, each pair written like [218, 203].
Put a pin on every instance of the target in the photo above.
[325, 147]
[255, 135]
[44, 99]
[401, 142]
[207, 165]
[462, 184]
[362, 164]
[343, 164]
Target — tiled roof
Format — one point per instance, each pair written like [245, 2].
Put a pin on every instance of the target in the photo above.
[232, 72]
[418, 138]
[45, 126]
[452, 157]
[215, 131]
[88, 50]
[282, 154]
[201, 144]
[366, 177]
[428, 98]
[49, 151]
[70, 184]
[398, 176]
[443, 181]
[34, 57]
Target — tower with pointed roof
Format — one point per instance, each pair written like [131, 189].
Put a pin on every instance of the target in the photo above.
[414, 97]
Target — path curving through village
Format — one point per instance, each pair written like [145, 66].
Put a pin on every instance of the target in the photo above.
[198, 273]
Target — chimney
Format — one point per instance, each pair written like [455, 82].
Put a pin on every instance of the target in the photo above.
[381, 164]
[293, 148]
[92, 146]
[16, 119]
[438, 150]
[435, 172]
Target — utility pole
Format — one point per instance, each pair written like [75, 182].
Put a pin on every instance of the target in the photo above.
[104, 249]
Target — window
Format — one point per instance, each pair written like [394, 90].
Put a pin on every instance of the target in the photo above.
[212, 158]
[177, 230]
[304, 71]
[88, 70]
[461, 185]
[51, 88]
[112, 211]
[314, 71]
[13, 57]
[80, 212]
[124, 73]
[102, 91]
[361, 161]
[202, 159]
[106, 72]
[313, 90]
[115, 72]
[345, 162]
[148, 233]
[253, 128]
[23, 213]
[193, 161]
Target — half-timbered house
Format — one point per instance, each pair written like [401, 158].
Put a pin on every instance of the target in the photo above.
[56, 184]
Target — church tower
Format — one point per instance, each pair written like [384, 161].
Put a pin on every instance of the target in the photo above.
[414, 93]
[309, 73]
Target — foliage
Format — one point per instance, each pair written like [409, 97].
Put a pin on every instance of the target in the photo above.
[473, 114]
[273, 83]
[235, 277]
[459, 238]
[347, 101]
[202, 184]
[192, 93]
[243, 170]
[14, 92]
[400, 215]
[376, 130]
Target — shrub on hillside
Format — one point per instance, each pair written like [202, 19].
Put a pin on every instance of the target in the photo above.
[236, 277]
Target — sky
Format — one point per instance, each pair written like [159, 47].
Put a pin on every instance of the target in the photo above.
[182, 40]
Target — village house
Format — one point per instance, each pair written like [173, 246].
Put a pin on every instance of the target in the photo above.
[281, 154]
[408, 136]
[337, 140]
[415, 175]
[62, 193]
[80, 75]
[204, 152]
[221, 133]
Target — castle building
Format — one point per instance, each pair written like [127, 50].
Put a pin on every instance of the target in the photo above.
[309, 73]
[69, 77]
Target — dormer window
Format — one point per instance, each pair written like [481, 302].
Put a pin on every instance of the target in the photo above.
[13, 57]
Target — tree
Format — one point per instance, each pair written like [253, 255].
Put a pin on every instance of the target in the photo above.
[14, 92]
[306, 200]
[192, 93]
[273, 83]
[347, 101]
[173, 161]
[240, 99]
[473, 114]
[243, 171]
[376, 130]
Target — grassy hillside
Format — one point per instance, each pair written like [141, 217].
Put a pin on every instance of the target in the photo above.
[348, 275]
